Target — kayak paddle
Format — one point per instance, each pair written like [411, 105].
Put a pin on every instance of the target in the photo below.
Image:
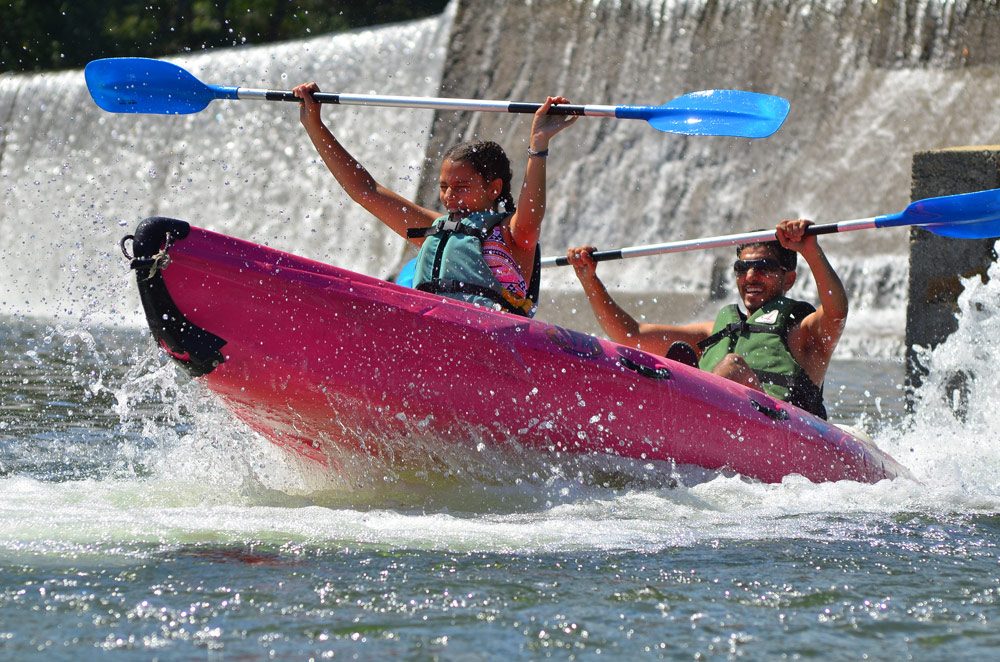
[964, 216]
[143, 85]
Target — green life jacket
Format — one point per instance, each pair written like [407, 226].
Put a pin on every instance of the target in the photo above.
[451, 262]
[762, 340]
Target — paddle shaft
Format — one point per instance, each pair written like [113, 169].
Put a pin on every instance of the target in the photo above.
[437, 103]
[712, 242]
[141, 85]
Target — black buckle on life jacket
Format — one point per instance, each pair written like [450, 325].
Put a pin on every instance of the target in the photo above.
[732, 331]
[453, 225]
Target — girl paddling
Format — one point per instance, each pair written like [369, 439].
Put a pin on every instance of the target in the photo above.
[485, 249]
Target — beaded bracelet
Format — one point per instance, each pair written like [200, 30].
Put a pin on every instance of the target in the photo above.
[541, 155]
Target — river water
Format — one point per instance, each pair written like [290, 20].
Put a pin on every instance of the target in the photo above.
[137, 515]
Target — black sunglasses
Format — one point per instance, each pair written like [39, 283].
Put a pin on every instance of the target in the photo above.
[764, 264]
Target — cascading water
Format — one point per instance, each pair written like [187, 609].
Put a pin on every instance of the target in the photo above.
[870, 83]
[75, 179]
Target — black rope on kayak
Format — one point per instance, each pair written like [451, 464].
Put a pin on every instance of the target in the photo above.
[121, 244]
[154, 263]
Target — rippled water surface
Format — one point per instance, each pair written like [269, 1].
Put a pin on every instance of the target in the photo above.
[138, 516]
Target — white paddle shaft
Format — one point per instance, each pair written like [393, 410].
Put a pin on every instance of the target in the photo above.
[711, 242]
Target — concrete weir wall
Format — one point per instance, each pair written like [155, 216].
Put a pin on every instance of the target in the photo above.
[870, 83]
[937, 264]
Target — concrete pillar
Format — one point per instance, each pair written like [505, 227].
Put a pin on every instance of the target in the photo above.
[937, 263]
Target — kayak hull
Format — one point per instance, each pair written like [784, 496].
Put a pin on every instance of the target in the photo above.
[321, 360]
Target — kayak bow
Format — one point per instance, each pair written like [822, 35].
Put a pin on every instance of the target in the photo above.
[323, 361]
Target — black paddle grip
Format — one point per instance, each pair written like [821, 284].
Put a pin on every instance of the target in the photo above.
[604, 256]
[827, 228]
[566, 109]
[279, 95]
[286, 95]
[599, 256]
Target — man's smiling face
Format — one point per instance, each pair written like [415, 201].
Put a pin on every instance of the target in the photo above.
[764, 280]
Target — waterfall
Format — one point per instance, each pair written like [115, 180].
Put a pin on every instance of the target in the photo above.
[870, 83]
[76, 179]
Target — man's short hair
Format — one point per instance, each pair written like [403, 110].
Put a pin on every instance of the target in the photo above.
[786, 257]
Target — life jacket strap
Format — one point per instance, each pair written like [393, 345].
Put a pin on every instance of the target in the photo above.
[736, 329]
[766, 377]
[731, 330]
[505, 299]
[453, 225]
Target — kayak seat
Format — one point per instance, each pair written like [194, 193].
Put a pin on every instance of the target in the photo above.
[683, 353]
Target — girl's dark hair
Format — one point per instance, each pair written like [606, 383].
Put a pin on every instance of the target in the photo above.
[491, 162]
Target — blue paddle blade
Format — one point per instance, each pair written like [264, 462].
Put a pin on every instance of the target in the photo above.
[980, 230]
[142, 85]
[715, 113]
[964, 216]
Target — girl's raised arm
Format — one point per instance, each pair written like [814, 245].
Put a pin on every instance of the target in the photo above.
[526, 225]
[385, 204]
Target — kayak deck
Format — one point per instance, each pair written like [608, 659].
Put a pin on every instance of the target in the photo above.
[320, 359]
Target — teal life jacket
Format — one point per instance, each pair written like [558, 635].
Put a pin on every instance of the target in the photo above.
[762, 340]
[451, 262]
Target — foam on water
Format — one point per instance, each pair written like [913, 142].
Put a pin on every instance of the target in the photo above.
[184, 470]
[206, 478]
[956, 420]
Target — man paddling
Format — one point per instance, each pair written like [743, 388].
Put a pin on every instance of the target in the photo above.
[779, 345]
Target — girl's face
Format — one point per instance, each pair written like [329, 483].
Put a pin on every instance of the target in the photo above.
[464, 190]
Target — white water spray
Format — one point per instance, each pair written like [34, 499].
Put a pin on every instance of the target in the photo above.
[77, 179]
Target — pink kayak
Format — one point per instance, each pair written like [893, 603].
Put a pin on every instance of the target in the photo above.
[323, 361]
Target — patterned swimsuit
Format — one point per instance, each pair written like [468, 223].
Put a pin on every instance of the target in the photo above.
[501, 262]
